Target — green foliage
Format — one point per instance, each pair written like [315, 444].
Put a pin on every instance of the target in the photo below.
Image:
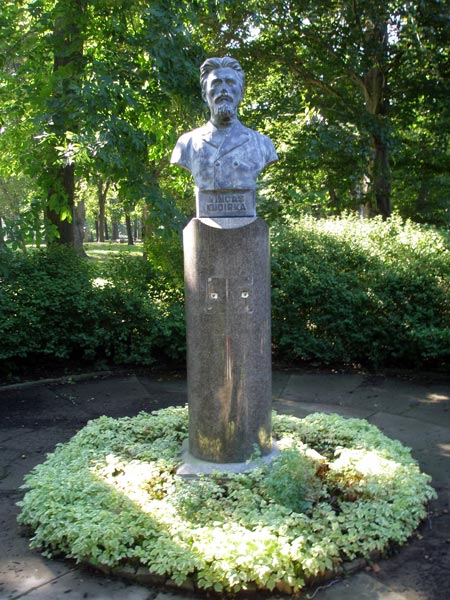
[293, 482]
[46, 305]
[101, 86]
[91, 88]
[339, 85]
[158, 289]
[199, 497]
[369, 292]
[56, 305]
[164, 250]
[110, 496]
[344, 291]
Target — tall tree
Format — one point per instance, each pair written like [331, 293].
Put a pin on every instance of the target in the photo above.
[332, 71]
[341, 53]
[94, 81]
[421, 177]
[67, 41]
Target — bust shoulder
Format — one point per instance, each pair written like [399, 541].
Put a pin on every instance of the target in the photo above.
[265, 144]
[181, 152]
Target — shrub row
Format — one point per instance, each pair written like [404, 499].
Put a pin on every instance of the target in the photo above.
[347, 290]
[343, 291]
[56, 305]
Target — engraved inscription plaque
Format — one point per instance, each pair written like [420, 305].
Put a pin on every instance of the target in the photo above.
[226, 203]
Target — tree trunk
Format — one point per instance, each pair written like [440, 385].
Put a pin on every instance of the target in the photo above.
[421, 199]
[61, 197]
[80, 227]
[114, 231]
[2, 234]
[381, 176]
[102, 192]
[147, 227]
[374, 85]
[101, 219]
[67, 42]
[335, 204]
[129, 230]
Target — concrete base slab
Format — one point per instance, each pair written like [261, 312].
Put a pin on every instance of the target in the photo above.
[432, 407]
[21, 569]
[279, 382]
[17, 457]
[430, 443]
[76, 586]
[329, 388]
[194, 467]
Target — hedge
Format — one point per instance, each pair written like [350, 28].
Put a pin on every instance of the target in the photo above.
[345, 291]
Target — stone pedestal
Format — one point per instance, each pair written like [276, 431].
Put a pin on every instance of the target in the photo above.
[227, 291]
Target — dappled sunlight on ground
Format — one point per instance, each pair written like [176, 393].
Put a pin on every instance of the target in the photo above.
[444, 450]
[437, 398]
[39, 571]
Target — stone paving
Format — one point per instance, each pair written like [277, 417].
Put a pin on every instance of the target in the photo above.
[34, 418]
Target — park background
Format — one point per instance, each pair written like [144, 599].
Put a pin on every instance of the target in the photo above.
[93, 95]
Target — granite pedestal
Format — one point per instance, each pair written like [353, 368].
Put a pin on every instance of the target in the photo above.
[227, 294]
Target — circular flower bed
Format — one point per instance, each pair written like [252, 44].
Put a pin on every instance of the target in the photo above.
[339, 490]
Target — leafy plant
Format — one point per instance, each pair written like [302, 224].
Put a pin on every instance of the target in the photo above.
[111, 497]
[55, 305]
[344, 291]
[370, 292]
[292, 481]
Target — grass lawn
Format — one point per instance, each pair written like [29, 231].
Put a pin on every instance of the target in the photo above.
[107, 250]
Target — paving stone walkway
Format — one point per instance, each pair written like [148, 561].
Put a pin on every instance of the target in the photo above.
[415, 410]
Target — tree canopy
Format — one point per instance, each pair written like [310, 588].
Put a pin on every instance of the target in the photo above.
[89, 90]
[351, 91]
[93, 94]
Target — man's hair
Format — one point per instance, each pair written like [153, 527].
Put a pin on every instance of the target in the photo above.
[211, 64]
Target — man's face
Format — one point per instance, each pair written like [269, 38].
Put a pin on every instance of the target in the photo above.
[222, 92]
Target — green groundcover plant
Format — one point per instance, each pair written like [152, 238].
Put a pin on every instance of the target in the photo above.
[338, 490]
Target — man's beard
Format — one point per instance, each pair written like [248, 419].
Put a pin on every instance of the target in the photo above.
[225, 111]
